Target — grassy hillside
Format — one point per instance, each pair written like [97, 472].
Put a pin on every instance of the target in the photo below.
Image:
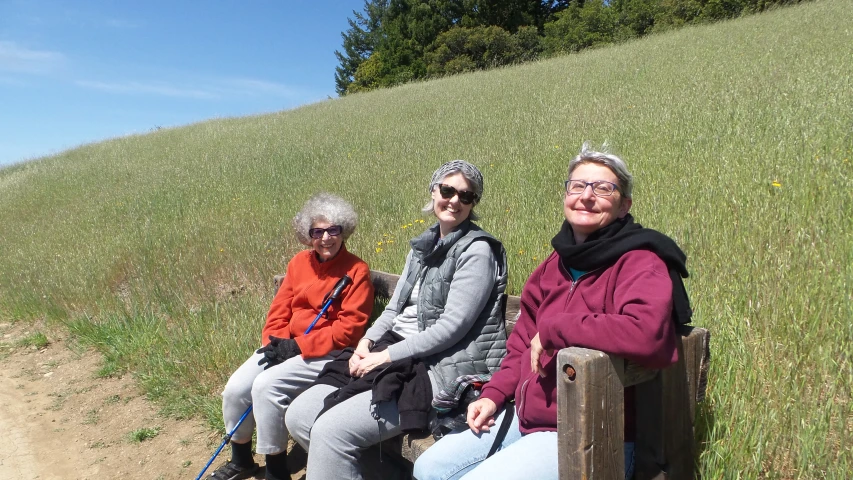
[160, 249]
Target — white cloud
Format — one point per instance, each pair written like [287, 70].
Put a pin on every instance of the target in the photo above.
[212, 88]
[16, 58]
[154, 88]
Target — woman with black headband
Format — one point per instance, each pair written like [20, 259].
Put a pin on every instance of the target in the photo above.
[443, 321]
[609, 285]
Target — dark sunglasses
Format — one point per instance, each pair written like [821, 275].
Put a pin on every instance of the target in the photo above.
[333, 231]
[447, 192]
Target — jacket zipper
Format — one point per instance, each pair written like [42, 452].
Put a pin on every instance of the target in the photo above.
[523, 392]
[575, 282]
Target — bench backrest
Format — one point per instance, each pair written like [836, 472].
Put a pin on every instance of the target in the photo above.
[384, 284]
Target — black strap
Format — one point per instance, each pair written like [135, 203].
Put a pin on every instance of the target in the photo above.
[499, 438]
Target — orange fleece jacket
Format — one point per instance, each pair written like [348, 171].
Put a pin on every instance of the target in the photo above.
[300, 299]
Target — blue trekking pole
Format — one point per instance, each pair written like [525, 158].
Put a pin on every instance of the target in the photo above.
[224, 442]
[330, 297]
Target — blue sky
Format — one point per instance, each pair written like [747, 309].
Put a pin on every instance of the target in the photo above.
[74, 72]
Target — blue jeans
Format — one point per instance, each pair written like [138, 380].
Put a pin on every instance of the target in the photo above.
[462, 455]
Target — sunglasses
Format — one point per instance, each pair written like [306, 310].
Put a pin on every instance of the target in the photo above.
[466, 197]
[333, 231]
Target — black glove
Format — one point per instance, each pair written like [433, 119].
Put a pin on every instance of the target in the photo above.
[278, 351]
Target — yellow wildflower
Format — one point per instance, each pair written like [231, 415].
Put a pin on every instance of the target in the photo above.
[379, 243]
[378, 249]
[776, 184]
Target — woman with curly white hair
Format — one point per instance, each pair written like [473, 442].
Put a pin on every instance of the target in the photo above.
[292, 354]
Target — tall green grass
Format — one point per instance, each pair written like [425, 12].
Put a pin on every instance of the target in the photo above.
[161, 248]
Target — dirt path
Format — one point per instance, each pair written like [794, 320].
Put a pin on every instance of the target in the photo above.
[62, 422]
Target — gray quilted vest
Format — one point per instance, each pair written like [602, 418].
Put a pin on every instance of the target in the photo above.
[484, 346]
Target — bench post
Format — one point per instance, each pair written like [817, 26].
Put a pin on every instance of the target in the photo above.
[590, 415]
[666, 409]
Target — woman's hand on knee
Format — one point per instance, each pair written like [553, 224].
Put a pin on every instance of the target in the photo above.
[371, 361]
[361, 351]
[481, 415]
[354, 362]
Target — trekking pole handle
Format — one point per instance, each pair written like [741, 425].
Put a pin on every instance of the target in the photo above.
[339, 287]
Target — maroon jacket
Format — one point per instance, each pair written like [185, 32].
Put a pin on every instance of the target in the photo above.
[624, 309]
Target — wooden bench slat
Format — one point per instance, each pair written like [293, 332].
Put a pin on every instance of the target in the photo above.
[383, 283]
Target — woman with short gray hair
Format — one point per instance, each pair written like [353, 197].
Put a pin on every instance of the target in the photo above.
[294, 348]
[444, 321]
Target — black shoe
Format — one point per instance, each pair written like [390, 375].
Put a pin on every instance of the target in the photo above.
[276, 467]
[233, 471]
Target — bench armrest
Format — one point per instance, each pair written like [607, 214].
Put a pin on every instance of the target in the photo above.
[590, 419]
[590, 414]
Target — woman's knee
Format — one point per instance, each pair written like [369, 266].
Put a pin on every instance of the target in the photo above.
[343, 427]
[427, 467]
[297, 418]
[302, 413]
[236, 390]
[260, 386]
[268, 389]
[325, 428]
[442, 463]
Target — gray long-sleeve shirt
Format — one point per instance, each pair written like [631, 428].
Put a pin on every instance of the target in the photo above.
[472, 283]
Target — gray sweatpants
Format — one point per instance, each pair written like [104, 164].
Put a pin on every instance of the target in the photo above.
[338, 437]
[270, 393]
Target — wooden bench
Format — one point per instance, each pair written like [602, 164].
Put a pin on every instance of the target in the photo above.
[590, 420]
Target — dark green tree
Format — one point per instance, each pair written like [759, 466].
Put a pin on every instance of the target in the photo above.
[463, 49]
[634, 18]
[510, 15]
[359, 41]
[583, 24]
[389, 42]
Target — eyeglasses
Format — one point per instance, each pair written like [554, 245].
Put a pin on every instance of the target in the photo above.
[333, 231]
[466, 197]
[600, 188]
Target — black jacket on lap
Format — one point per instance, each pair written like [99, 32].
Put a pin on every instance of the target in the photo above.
[405, 381]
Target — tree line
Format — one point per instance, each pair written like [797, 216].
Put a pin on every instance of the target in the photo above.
[392, 42]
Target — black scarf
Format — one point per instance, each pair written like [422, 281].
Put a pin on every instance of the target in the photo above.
[604, 247]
